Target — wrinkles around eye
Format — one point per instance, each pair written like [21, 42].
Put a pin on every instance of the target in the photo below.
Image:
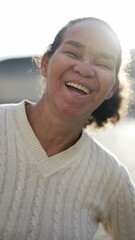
[105, 66]
[72, 54]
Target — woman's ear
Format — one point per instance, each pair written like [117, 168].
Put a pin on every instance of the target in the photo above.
[113, 90]
[44, 65]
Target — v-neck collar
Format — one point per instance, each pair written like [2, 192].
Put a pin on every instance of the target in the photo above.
[46, 165]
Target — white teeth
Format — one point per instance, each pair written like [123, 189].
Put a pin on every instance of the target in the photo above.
[78, 86]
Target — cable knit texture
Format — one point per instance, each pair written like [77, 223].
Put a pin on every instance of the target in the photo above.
[63, 197]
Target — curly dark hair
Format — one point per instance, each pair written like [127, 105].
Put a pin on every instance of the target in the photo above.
[110, 110]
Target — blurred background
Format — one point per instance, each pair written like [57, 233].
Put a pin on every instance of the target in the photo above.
[27, 27]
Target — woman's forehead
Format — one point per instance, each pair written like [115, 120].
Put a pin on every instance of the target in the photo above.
[93, 35]
[90, 26]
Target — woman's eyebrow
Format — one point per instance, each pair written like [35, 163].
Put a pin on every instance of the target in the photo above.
[75, 43]
[81, 46]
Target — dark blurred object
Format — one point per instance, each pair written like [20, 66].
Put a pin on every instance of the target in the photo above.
[19, 79]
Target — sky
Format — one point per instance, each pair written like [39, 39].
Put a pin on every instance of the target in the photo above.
[27, 27]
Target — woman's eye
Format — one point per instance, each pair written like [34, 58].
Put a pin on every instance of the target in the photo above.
[72, 54]
[103, 65]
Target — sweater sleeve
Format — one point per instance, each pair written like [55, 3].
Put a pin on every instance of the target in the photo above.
[121, 221]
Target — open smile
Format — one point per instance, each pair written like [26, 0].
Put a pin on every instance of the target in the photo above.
[77, 87]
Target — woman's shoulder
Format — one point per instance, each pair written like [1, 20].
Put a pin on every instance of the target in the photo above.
[11, 107]
[5, 106]
[105, 158]
[7, 112]
[3, 111]
[111, 169]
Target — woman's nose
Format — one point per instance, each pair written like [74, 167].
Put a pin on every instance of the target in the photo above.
[85, 69]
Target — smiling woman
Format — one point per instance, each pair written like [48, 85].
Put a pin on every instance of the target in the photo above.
[53, 174]
[113, 109]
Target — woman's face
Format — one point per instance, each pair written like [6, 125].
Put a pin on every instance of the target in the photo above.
[81, 74]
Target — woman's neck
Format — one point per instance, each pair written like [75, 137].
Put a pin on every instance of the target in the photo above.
[54, 134]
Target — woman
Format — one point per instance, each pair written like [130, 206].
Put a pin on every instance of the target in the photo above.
[56, 181]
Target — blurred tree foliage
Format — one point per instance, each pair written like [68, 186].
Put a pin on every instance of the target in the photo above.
[130, 70]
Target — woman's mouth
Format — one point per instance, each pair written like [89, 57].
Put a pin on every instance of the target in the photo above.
[77, 88]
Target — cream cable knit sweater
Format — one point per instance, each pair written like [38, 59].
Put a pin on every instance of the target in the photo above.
[61, 197]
